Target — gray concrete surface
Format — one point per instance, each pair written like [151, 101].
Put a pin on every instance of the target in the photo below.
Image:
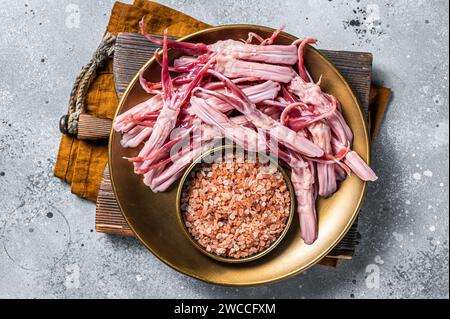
[47, 245]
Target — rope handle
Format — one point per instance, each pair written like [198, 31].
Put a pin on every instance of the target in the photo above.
[68, 123]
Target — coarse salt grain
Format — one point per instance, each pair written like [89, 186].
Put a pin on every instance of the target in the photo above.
[241, 212]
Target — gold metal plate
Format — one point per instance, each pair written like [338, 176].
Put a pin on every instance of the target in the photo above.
[153, 218]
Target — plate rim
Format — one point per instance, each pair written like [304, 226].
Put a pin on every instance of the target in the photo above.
[325, 251]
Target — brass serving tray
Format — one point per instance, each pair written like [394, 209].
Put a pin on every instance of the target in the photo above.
[153, 218]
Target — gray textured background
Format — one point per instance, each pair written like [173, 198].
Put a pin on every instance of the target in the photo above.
[47, 245]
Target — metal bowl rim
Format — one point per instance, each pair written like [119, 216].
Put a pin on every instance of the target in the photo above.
[185, 231]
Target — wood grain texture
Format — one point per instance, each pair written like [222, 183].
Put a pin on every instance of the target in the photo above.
[108, 217]
[133, 50]
[93, 128]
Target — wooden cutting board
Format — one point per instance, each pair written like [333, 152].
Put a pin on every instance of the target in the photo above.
[132, 51]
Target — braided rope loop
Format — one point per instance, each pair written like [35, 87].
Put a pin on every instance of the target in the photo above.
[81, 85]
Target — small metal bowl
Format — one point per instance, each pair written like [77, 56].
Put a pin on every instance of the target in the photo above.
[180, 216]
